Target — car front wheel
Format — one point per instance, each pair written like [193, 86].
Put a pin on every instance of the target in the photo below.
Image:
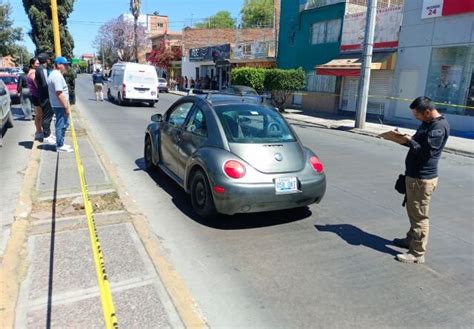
[148, 155]
[201, 196]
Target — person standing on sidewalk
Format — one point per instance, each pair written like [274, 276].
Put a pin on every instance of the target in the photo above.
[59, 98]
[22, 89]
[421, 173]
[98, 81]
[46, 113]
[30, 79]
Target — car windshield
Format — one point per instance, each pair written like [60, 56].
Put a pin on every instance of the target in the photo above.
[246, 123]
[141, 77]
[9, 80]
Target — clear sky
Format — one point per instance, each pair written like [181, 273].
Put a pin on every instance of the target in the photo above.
[88, 15]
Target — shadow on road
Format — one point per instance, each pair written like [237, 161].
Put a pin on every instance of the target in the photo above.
[223, 222]
[357, 237]
[26, 144]
[47, 147]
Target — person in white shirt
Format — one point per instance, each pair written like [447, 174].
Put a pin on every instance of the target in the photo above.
[59, 98]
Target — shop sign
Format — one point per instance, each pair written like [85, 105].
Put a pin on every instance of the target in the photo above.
[251, 50]
[212, 53]
[387, 29]
[432, 8]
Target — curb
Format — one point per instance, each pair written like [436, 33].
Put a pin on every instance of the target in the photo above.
[175, 287]
[371, 134]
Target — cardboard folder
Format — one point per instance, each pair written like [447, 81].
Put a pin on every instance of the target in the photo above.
[395, 136]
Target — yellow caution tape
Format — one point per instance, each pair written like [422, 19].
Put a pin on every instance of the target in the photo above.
[391, 98]
[104, 286]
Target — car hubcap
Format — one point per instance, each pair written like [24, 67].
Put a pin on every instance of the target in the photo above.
[200, 194]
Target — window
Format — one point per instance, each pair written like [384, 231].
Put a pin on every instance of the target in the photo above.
[178, 114]
[450, 78]
[197, 124]
[326, 32]
[321, 83]
[253, 124]
[160, 24]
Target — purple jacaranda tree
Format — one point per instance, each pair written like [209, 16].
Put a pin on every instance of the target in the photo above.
[116, 38]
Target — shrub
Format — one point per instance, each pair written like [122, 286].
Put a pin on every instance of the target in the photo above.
[282, 83]
[249, 76]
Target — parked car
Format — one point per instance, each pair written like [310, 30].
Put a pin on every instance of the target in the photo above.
[11, 81]
[5, 107]
[132, 82]
[162, 85]
[233, 155]
[244, 91]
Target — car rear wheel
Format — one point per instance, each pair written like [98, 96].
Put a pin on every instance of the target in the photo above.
[148, 155]
[201, 196]
[151, 104]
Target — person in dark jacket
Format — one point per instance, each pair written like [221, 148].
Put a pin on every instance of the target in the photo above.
[22, 89]
[98, 81]
[421, 173]
[46, 112]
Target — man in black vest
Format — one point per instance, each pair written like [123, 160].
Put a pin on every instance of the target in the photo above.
[421, 173]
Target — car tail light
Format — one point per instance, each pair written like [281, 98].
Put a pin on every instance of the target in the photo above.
[316, 164]
[234, 169]
[124, 90]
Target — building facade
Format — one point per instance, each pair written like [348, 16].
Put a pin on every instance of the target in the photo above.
[436, 58]
[311, 32]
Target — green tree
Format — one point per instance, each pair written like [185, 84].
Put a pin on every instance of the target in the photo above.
[282, 83]
[257, 13]
[249, 76]
[39, 13]
[221, 20]
[9, 35]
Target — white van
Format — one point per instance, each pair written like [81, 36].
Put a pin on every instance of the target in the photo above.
[133, 82]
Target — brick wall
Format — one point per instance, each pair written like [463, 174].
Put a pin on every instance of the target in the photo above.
[196, 38]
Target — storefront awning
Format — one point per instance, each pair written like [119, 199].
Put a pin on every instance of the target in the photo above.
[348, 65]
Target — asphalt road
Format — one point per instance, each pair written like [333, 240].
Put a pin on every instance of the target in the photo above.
[329, 266]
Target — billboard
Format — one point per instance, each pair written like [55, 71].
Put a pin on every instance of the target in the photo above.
[310, 4]
[387, 28]
[253, 50]
[211, 53]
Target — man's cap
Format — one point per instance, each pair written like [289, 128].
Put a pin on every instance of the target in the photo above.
[42, 58]
[61, 60]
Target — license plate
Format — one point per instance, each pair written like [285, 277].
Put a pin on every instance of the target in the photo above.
[286, 185]
[141, 91]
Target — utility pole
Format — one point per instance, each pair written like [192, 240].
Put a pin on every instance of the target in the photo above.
[363, 93]
[55, 22]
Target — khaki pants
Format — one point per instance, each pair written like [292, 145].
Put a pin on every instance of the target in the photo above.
[418, 205]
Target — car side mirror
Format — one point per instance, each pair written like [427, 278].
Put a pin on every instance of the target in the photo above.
[157, 118]
[3, 92]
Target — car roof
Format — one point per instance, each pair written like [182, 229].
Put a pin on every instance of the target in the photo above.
[218, 99]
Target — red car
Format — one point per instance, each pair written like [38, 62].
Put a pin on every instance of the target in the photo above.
[11, 81]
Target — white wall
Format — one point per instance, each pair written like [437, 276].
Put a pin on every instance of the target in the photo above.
[417, 39]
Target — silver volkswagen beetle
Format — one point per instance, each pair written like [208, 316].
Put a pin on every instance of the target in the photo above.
[233, 155]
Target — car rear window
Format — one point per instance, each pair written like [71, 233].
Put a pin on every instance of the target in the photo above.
[141, 77]
[245, 123]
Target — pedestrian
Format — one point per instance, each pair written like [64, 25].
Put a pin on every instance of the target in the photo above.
[30, 79]
[98, 81]
[421, 171]
[59, 98]
[46, 113]
[22, 89]
[185, 82]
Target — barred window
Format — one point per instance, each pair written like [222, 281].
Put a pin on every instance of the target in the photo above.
[321, 83]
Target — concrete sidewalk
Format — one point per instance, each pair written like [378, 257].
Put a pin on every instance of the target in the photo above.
[60, 288]
[457, 145]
